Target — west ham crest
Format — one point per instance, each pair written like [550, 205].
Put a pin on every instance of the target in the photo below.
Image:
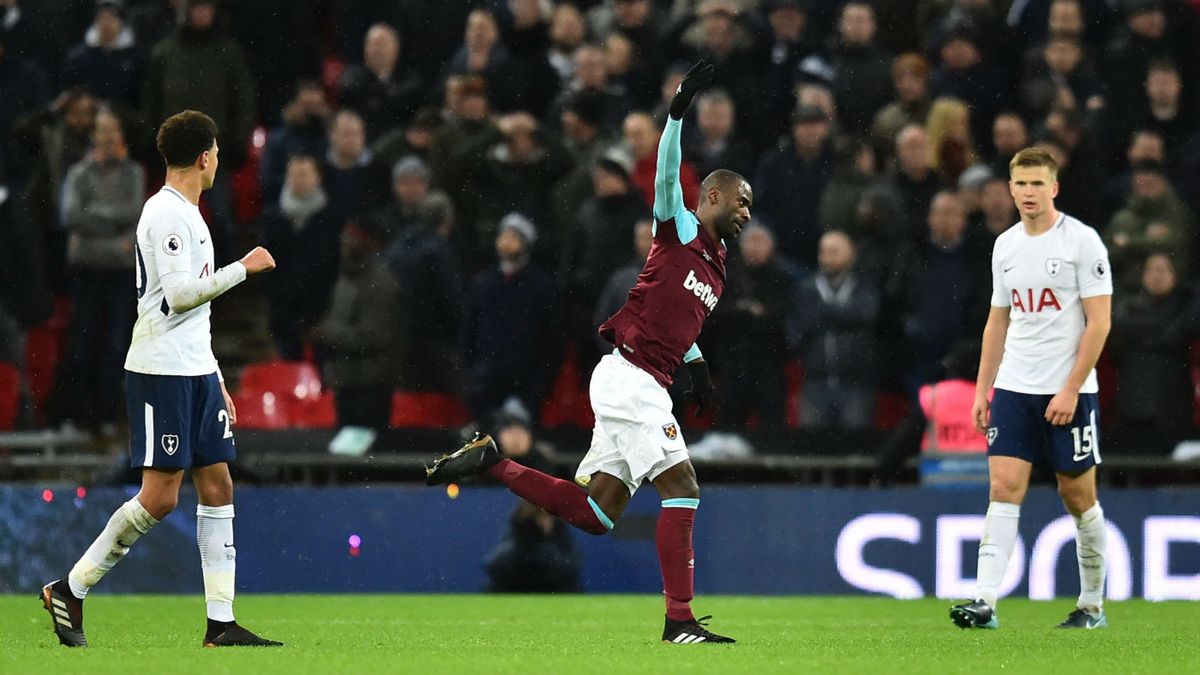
[170, 443]
[1053, 265]
[670, 431]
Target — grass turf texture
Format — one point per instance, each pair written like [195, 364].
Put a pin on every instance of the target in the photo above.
[465, 634]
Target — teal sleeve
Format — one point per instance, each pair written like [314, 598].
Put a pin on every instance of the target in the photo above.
[668, 193]
[693, 353]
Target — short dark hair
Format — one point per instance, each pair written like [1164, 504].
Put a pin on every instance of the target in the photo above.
[722, 179]
[185, 136]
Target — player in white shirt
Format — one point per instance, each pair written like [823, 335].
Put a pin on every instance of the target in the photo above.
[1051, 313]
[180, 414]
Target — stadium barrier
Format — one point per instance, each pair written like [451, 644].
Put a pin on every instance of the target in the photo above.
[906, 543]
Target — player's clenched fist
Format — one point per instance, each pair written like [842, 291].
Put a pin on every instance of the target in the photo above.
[258, 260]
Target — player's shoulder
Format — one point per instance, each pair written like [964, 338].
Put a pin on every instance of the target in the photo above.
[1079, 231]
[1006, 238]
[165, 208]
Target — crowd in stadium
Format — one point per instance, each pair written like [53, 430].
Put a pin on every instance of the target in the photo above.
[458, 192]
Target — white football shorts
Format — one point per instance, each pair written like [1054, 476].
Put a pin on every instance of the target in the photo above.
[636, 437]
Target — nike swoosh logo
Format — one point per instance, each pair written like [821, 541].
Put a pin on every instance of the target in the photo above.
[1006, 269]
[228, 545]
[1080, 458]
[203, 240]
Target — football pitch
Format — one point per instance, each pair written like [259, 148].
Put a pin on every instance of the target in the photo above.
[604, 634]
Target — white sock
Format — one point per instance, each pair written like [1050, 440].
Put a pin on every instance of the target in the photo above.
[129, 522]
[996, 547]
[1091, 547]
[218, 558]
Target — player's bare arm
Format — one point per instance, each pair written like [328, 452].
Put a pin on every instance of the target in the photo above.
[1098, 310]
[994, 333]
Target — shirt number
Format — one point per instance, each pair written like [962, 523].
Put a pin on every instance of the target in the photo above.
[223, 416]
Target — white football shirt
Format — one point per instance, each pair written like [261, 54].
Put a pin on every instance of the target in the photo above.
[1042, 280]
[172, 237]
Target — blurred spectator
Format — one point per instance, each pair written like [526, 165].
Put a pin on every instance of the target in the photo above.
[641, 137]
[482, 54]
[1167, 109]
[1145, 145]
[789, 183]
[939, 290]
[580, 121]
[639, 21]
[526, 33]
[511, 335]
[725, 34]
[590, 79]
[1060, 78]
[1089, 20]
[24, 87]
[410, 185]
[25, 299]
[1153, 329]
[1153, 218]
[429, 274]
[354, 183]
[305, 118]
[57, 136]
[910, 81]
[467, 119]
[997, 211]
[792, 38]
[1078, 165]
[616, 289]
[1150, 32]
[567, 33]
[597, 243]
[1009, 136]
[380, 89]
[101, 203]
[985, 18]
[107, 63]
[854, 169]
[914, 179]
[414, 138]
[301, 232]
[862, 69]
[965, 74]
[970, 189]
[837, 313]
[511, 167]
[749, 328]
[716, 143]
[199, 67]
[536, 553]
[949, 129]
[358, 333]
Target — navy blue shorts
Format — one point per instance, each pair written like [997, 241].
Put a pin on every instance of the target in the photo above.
[1018, 428]
[177, 421]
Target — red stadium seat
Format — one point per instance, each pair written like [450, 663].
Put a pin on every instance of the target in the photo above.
[43, 346]
[262, 410]
[10, 396]
[568, 403]
[430, 410]
[296, 380]
[315, 413]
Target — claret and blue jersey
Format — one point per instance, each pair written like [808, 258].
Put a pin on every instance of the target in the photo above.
[680, 284]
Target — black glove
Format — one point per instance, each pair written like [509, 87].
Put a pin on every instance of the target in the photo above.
[698, 78]
[702, 388]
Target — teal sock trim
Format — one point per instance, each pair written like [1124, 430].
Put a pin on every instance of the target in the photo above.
[681, 503]
[600, 513]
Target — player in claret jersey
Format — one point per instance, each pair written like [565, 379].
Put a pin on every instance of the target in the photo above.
[636, 438]
[1051, 311]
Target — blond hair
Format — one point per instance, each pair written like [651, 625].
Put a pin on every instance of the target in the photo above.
[1034, 157]
[943, 114]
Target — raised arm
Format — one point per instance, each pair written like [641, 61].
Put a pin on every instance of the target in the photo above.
[668, 195]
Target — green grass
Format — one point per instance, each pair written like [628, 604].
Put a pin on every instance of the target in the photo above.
[617, 635]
